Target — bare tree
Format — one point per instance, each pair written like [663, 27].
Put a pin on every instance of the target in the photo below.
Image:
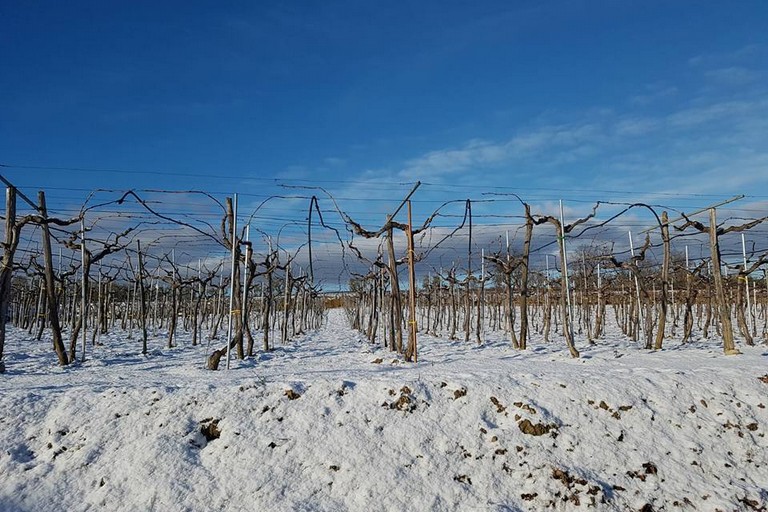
[560, 232]
[715, 232]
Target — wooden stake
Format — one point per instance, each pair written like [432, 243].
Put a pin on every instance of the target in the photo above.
[412, 351]
[232, 278]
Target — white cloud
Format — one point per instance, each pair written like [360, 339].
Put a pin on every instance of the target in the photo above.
[733, 76]
[636, 126]
[480, 154]
[655, 92]
[710, 113]
[719, 59]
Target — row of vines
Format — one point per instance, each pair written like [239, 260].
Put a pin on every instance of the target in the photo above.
[152, 275]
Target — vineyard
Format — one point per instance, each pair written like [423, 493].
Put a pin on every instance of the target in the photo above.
[491, 353]
[140, 263]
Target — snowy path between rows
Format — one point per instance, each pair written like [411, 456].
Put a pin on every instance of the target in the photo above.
[318, 425]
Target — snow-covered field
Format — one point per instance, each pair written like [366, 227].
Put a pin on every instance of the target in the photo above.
[330, 422]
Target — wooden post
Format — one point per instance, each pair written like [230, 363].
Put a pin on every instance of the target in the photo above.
[245, 275]
[664, 282]
[6, 273]
[50, 287]
[232, 278]
[746, 284]
[565, 296]
[142, 301]
[396, 342]
[729, 346]
[83, 287]
[412, 352]
[639, 318]
[523, 338]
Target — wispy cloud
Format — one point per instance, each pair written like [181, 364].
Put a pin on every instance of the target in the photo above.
[635, 126]
[712, 133]
[568, 140]
[653, 93]
[718, 59]
[733, 75]
[728, 110]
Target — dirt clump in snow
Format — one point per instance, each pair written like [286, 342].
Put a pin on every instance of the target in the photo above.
[649, 468]
[538, 429]
[464, 479]
[406, 402]
[209, 427]
[499, 407]
[291, 394]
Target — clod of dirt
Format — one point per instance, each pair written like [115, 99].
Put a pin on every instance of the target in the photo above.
[499, 408]
[567, 479]
[334, 467]
[404, 403]
[210, 429]
[291, 394]
[751, 504]
[647, 508]
[464, 479]
[752, 427]
[459, 393]
[525, 407]
[378, 360]
[539, 429]
[603, 405]
[764, 379]
[650, 468]
[529, 497]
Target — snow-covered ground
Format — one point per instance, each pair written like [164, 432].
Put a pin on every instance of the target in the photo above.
[330, 422]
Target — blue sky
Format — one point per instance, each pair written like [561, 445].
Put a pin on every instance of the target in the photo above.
[576, 100]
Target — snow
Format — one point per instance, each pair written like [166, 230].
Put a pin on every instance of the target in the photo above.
[318, 424]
